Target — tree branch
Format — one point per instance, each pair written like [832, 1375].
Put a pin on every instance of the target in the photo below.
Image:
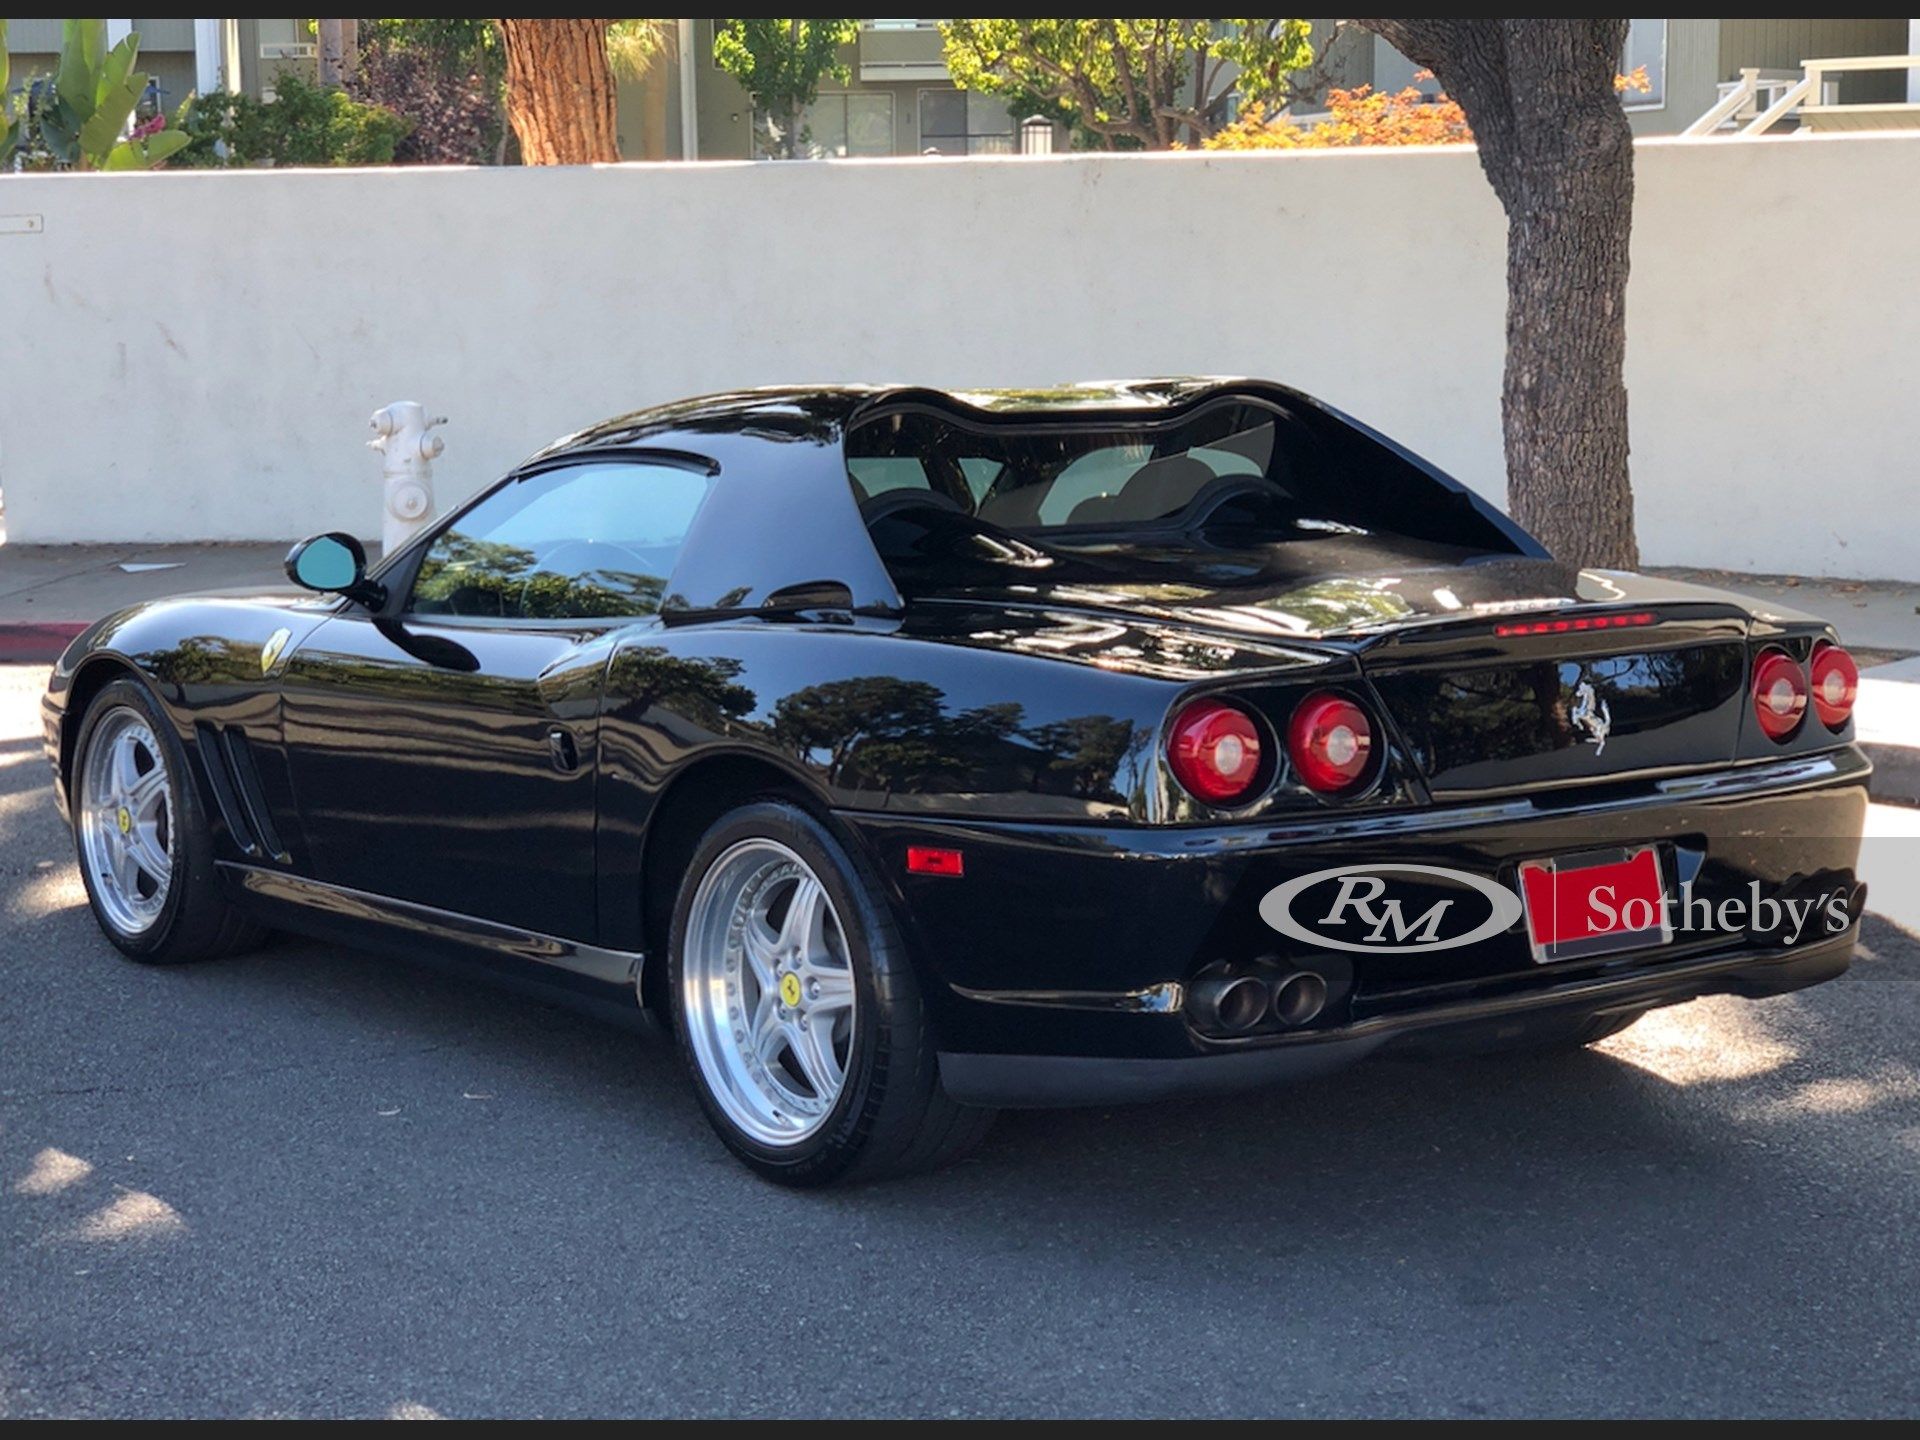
[1469, 58]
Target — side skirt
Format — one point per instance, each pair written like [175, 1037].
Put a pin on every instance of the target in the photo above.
[437, 929]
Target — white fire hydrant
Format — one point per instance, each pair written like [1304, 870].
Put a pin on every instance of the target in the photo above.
[409, 448]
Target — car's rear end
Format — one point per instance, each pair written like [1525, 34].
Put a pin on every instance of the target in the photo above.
[1502, 799]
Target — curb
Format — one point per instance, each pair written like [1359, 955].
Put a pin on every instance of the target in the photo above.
[1896, 774]
[1888, 722]
[36, 644]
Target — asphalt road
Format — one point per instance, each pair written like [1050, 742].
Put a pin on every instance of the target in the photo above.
[313, 1183]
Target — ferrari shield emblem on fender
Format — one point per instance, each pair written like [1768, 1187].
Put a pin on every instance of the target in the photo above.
[271, 651]
[1591, 718]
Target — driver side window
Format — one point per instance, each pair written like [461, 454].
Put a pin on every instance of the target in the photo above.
[590, 541]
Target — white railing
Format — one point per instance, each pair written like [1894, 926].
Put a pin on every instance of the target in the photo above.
[1813, 91]
[1742, 100]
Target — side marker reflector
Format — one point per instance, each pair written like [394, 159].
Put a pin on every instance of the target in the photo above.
[925, 860]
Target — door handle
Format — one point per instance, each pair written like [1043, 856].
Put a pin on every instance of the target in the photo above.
[563, 750]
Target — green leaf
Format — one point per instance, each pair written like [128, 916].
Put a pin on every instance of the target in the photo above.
[124, 156]
[102, 129]
[165, 143]
[117, 66]
[6, 65]
[60, 132]
[81, 47]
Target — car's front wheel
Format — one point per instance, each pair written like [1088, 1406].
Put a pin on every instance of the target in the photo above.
[798, 1011]
[146, 854]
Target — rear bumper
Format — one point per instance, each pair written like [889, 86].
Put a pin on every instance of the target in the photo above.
[1067, 1081]
[1057, 967]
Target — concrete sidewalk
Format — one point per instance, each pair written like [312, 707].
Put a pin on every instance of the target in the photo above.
[49, 593]
[1879, 620]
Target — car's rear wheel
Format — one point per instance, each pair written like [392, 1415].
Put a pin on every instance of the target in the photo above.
[145, 851]
[798, 1010]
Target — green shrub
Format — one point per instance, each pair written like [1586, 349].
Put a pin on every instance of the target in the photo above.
[305, 124]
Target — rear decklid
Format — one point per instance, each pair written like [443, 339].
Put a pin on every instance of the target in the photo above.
[1581, 694]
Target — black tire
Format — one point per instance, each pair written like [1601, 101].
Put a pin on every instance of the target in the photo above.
[892, 1117]
[195, 921]
[1546, 1035]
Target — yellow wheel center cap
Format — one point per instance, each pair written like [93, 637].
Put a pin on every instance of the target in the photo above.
[126, 821]
[790, 991]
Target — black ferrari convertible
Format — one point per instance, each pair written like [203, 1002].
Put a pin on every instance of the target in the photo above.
[920, 754]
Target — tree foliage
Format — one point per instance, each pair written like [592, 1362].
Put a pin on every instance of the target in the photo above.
[445, 78]
[464, 44]
[1152, 84]
[1363, 116]
[781, 65]
[634, 45]
[305, 124]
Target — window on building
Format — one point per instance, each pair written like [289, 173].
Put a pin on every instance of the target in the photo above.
[1646, 50]
[959, 122]
[837, 126]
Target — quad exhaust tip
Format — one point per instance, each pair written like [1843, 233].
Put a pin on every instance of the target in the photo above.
[1299, 998]
[1232, 1005]
[1228, 1004]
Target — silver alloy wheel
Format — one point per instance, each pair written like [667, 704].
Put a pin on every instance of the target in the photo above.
[126, 821]
[767, 985]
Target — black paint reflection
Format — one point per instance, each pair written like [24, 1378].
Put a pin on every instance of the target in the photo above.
[895, 736]
[579, 580]
[1512, 724]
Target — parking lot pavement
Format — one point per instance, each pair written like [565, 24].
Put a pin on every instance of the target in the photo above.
[313, 1183]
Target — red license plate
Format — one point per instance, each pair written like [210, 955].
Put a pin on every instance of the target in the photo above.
[1587, 905]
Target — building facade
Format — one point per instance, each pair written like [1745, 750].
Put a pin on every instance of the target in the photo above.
[899, 100]
[183, 56]
[1686, 61]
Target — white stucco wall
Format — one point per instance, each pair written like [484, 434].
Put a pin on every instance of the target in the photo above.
[195, 356]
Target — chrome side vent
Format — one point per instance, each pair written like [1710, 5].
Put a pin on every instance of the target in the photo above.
[236, 790]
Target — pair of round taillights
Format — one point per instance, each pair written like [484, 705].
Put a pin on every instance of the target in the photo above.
[1217, 753]
[1783, 690]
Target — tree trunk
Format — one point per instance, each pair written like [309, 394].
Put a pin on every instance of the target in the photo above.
[653, 114]
[333, 52]
[1555, 143]
[560, 91]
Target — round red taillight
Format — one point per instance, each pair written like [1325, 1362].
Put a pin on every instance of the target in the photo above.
[1779, 694]
[1836, 685]
[1331, 744]
[1214, 749]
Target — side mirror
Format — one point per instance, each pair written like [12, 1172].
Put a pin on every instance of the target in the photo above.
[334, 564]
